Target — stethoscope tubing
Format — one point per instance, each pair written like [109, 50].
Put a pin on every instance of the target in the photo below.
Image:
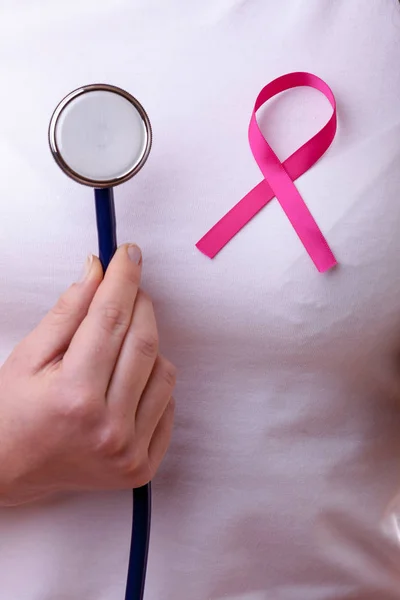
[141, 517]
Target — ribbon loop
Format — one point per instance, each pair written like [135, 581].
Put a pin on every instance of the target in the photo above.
[279, 177]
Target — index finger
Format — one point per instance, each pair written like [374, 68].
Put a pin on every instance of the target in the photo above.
[95, 347]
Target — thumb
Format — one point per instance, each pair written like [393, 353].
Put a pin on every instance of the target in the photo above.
[51, 338]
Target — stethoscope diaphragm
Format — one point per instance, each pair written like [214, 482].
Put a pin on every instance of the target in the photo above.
[100, 135]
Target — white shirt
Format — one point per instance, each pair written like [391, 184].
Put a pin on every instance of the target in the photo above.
[282, 478]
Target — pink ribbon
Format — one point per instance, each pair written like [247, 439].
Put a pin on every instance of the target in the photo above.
[278, 179]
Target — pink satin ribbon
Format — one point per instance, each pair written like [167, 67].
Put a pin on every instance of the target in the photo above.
[278, 179]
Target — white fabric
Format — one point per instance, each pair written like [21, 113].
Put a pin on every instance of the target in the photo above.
[282, 478]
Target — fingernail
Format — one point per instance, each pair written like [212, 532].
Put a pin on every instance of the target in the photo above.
[134, 254]
[87, 267]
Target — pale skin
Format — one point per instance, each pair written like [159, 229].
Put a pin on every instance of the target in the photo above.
[86, 399]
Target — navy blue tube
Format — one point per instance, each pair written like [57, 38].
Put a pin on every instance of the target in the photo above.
[139, 543]
[106, 224]
[137, 567]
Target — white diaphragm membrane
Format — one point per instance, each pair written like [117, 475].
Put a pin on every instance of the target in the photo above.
[101, 136]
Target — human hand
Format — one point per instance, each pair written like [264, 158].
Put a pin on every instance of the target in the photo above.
[85, 398]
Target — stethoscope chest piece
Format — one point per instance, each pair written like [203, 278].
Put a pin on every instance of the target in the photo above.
[100, 135]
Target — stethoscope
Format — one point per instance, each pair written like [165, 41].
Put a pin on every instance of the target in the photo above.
[101, 136]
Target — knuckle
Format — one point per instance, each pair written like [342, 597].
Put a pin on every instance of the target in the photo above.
[63, 308]
[135, 460]
[141, 476]
[147, 345]
[114, 318]
[136, 468]
[167, 371]
[113, 442]
[80, 407]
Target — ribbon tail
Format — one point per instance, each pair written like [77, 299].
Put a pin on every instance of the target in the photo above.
[234, 220]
